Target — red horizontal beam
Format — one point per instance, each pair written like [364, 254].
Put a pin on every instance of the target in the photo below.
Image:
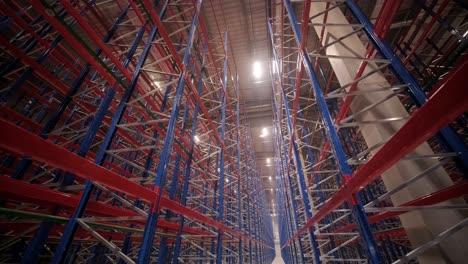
[448, 193]
[57, 231]
[383, 235]
[58, 54]
[72, 41]
[17, 140]
[20, 190]
[13, 115]
[16, 190]
[20, 141]
[392, 234]
[38, 69]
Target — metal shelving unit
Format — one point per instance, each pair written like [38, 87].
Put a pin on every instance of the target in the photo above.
[338, 199]
[123, 138]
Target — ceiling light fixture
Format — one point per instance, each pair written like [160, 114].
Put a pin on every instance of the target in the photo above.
[264, 132]
[157, 84]
[257, 70]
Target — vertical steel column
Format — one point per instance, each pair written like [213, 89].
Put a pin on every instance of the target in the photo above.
[364, 226]
[219, 250]
[285, 156]
[34, 248]
[150, 228]
[249, 219]
[175, 258]
[281, 194]
[72, 225]
[298, 162]
[288, 182]
[239, 197]
[175, 176]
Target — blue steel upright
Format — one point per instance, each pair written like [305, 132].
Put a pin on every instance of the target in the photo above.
[219, 250]
[337, 148]
[84, 146]
[175, 257]
[71, 227]
[151, 224]
[298, 163]
[239, 199]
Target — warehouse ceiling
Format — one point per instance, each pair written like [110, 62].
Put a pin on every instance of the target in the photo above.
[249, 43]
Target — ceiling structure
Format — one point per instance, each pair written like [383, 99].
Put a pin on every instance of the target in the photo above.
[249, 43]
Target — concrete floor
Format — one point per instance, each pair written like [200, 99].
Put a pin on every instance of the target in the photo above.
[278, 259]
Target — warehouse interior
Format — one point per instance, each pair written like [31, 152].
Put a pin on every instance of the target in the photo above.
[220, 131]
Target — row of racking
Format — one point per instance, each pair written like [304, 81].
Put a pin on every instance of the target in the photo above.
[123, 139]
[371, 162]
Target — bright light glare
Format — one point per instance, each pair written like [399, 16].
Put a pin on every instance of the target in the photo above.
[227, 180]
[264, 132]
[157, 84]
[269, 178]
[271, 189]
[273, 65]
[257, 70]
[268, 160]
[196, 138]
